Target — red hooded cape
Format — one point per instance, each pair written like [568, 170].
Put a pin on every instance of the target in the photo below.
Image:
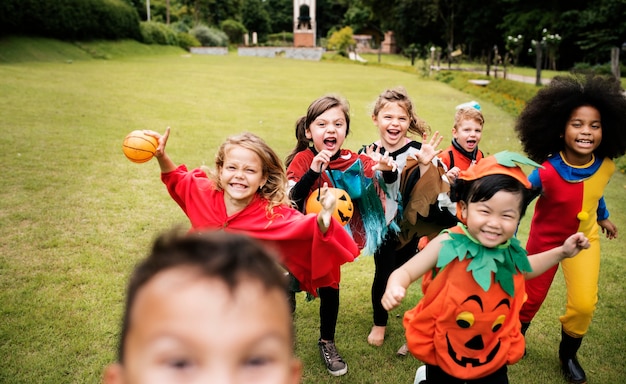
[312, 257]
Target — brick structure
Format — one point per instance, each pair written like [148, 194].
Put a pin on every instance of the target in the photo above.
[304, 24]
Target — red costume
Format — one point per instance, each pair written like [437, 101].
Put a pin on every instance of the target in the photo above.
[353, 173]
[312, 257]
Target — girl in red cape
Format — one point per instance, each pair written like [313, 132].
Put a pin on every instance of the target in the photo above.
[247, 194]
[466, 327]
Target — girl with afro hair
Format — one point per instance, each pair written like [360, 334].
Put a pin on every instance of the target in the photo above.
[574, 127]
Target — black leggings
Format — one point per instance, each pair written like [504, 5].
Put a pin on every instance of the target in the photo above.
[434, 374]
[387, 259]
[329, 310]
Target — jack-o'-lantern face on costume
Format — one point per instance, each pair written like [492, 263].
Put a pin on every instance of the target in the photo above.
[344, 211]
[474, 336]
[473, 332]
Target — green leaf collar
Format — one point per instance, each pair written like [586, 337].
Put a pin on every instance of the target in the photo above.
[504, 261]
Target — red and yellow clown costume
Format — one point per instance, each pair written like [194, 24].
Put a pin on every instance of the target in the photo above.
[312, 257]
[571, 201]
[467, 323]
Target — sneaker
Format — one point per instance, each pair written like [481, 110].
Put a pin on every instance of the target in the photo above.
[420, 375]
[334, 363]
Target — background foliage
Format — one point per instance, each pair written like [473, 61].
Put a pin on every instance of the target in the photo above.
[481, 31]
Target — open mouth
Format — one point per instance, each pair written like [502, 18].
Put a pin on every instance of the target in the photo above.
[393, 133]
[238, 187]
[464, 360]
[585, 142]
[330, 142]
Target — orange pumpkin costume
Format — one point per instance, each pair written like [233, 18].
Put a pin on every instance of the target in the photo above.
[467, 323]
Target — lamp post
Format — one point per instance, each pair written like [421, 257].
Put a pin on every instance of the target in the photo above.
[432, 59]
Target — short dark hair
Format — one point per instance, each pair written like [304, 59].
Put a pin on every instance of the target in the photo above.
[226, 256]
[484, 188]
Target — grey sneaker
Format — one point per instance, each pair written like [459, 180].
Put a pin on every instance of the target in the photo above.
[334, 363]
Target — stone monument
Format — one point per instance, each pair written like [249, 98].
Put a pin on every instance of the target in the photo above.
[304, 24]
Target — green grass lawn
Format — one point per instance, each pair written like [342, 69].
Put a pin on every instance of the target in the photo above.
[76, 215]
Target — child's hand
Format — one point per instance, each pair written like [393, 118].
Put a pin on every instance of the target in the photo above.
[574, 244]
[321, 160]
[162, 140]
[385, 163]
[453, 174]
[374, 154]
[429, 150]
[608, 228]
[328, 201]
[393, 296]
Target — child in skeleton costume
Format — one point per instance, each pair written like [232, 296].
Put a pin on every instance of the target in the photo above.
[395, 118]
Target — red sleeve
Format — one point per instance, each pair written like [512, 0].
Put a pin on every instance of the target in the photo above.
[312, 257]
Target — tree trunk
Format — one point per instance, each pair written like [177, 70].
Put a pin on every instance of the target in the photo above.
[538, 51]
[615, 69]
[167, 12]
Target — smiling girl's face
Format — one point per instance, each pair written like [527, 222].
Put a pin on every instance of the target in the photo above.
[328, 131]
[583, 135]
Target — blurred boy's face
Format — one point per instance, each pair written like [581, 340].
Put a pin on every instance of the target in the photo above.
[467, 134]
[185, 328]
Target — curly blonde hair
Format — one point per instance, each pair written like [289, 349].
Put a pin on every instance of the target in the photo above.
[400, 96]
[275, 188]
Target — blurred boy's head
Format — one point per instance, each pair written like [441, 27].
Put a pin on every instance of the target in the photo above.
[468, 127]
[206, 308]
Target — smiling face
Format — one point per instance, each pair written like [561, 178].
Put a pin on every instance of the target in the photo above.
[393, 123]
[467, 134]
[583, 134]
[328, 131]
[186, 328]
[494, 221]
[241, 176]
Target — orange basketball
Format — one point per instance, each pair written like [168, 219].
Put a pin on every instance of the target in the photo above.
[343, 212]
[139, 147]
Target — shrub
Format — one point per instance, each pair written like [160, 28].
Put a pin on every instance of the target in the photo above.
[186, 41]
[70, 19]
[234, 30]
[281, 39]
[508, 95]
[342, 40]
[597, 69]
[153, 32]
[209, 37]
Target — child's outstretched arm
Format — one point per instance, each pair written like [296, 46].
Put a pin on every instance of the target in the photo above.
[166, 164]
[541, 262]
[328, 201]
[410, 271]
[608, 228]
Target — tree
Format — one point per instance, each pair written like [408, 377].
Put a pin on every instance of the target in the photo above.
[281, 15]
[256, 18]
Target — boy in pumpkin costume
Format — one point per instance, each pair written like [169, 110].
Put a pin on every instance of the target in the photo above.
[466, 327]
